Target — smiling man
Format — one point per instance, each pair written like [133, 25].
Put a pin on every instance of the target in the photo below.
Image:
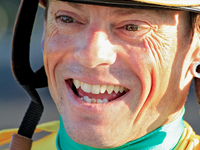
[119, 72]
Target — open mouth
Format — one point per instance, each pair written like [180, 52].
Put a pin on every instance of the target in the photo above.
[98, 94]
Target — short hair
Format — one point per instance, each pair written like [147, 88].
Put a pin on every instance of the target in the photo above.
[192, 22]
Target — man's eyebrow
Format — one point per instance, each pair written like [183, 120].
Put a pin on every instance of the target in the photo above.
[118, 11]
[74, 5]
[126, 11]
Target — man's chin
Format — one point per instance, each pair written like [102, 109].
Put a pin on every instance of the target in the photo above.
[96, 135]
[92, 138]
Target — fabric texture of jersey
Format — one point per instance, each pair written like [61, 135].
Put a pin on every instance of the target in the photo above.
[46, 143]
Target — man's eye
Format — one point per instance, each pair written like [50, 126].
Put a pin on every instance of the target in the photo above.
[131, 27]
[67, 19]
[134, 28]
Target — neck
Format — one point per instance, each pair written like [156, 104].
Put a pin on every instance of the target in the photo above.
[165, 137]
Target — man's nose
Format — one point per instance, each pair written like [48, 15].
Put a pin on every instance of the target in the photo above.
[95, 49]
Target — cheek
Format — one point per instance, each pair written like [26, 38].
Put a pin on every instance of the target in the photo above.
[56, 47]
[160, 55]
[54, 51]
[152, 60]
[138, 62]
[161, 50]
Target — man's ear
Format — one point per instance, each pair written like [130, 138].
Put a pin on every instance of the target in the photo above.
[195, 66]
[43, 3]
[195, 57]
[196, 69]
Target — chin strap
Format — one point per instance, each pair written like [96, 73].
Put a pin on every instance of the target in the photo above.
[23, 73]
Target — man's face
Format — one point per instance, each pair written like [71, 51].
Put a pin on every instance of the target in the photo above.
[115, 74]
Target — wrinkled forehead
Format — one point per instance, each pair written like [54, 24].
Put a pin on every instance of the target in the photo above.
[131, 4]
[119, 9]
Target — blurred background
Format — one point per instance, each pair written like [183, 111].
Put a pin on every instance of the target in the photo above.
[14, 100]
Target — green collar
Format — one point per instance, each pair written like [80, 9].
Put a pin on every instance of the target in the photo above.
[165, 137]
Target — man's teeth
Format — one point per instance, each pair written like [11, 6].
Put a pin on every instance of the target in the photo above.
[93, 100]
[96, 89]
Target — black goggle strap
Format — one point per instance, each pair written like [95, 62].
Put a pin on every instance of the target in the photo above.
[21, 69]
